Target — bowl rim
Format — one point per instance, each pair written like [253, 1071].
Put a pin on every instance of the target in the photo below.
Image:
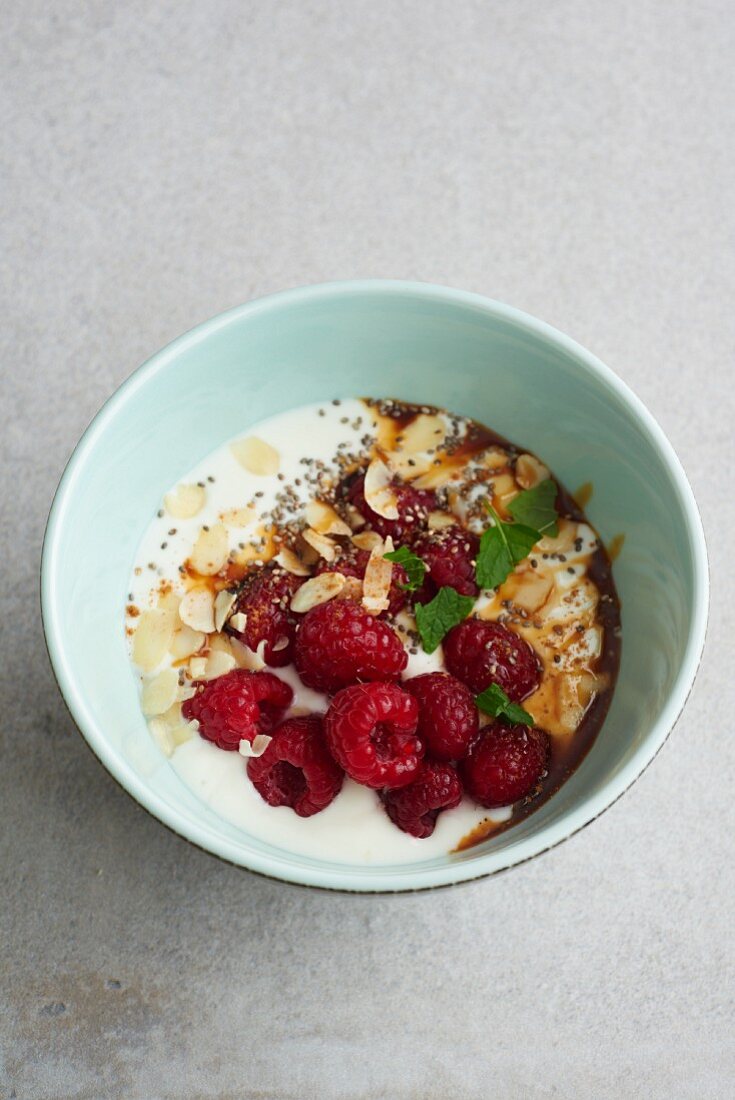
[405, 877]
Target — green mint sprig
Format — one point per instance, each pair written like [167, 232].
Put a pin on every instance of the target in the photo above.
[495, 702]
[414, 566]
[435, 619]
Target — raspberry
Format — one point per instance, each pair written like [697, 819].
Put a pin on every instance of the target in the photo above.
[413, 507]
[479, 653]
[264, 598]
[237, 706]
[416, 807]
[450, 556]
[353, 564]
[296, 769]
[448, 718]
[371, 732]
[339, 643]
[504, 764]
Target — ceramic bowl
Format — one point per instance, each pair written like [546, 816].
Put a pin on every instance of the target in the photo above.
[420, 343]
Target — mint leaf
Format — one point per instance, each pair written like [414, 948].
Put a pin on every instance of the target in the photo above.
[495, 702]
[501, 548]
[537, 508]
[414, 566]
[435, 619]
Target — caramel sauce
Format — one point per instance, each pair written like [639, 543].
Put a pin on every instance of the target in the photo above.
[583, 495]
[485, 829]
[615, 546]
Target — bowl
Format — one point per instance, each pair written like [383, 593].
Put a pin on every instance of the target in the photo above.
[419, 343]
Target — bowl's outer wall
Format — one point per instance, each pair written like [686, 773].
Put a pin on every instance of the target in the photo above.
[411, 342]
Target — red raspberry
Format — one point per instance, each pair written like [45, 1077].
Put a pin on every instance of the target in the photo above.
[339, 643]
[264, 598]
[237, 706]
[448, 718]
[371, 731]
[450, 556]
[296, 769]
[480, 653]
[416, 807]
[413, 507]
[504, 764]
[353, 564]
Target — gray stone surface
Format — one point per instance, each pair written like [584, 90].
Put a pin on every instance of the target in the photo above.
[164, 161]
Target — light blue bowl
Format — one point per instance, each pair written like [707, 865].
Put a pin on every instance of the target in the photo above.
[406, 340]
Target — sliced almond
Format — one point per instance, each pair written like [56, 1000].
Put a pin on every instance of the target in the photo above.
[160, 692]
[197, 610]
[161, 734]
[323, 545]
[530, 472]
[352, 589]
[239, 517]
[354, 518]
[377, 580]
[256, 747]
[183, 733]
[323, 518]
[184, 501]
[210, 550]
[246, 657]
[152, 638]
[292, 563]
[218, 663]
[220, 643]
[256, 456]
[533, 591]
[379, 494]
[197, 667]
[239, 621]
[426, 432]
[437, 521]
[185, 642]
[223, 604]
[317, 590]
[438, 476]
[367, 540]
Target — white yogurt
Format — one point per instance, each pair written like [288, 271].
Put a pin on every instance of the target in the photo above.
[354, 828]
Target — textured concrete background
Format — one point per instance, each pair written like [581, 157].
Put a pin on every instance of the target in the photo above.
[162, 162]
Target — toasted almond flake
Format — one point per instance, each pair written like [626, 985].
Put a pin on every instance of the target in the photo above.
[256, 456]
[219, 643]
[251, 659]
[436, 521]
[280, 645]
[299, 712]
[256, 747]
[197, 610]
[323, 518]
[218, 663]
[354, 518]
[533, 592]
[292, 563]
[323, 545]
[437, 477]
[530, 472]
[186, 691]
[367, 540]
[424, 433]
[152, 638]
[239, 621]
[317, 590]
[186, 641]
[197, 667]
[379, 495]
[223, 604]
[210, 550]
[160, 692]
[377, 579]
[161, 734]
[352, 589]
[239, 517]
[184, 501]
[173, 717]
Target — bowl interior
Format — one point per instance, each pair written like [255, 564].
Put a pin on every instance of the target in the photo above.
[420, 344]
